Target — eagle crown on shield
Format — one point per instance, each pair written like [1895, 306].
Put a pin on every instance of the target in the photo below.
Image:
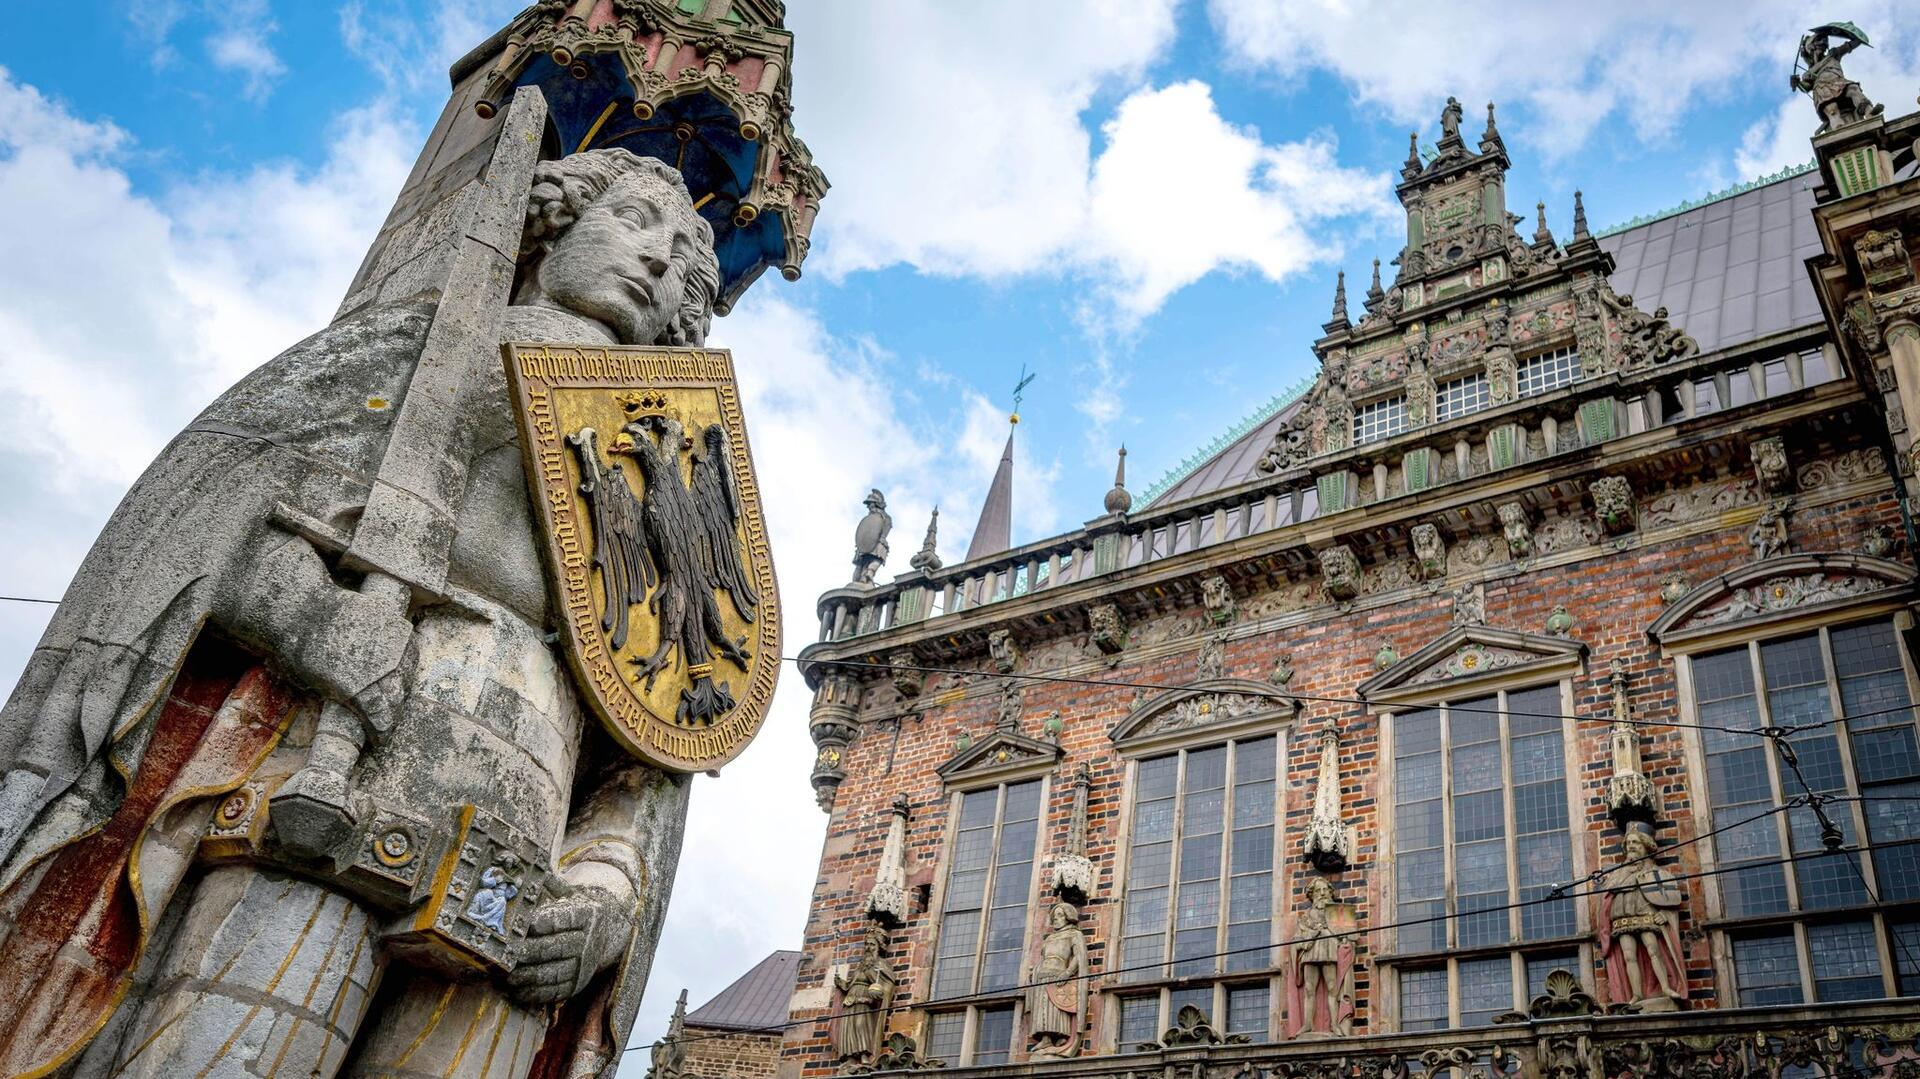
[674, 548]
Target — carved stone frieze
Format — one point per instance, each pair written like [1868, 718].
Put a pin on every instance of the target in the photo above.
[1339, 572]
[1785, 593]
[1849, 467]
[1769, 536]
[1174, 627]
[1472, 660]
[1700, 501]
[1297, 596]
[1613, 504]
[1557, 534]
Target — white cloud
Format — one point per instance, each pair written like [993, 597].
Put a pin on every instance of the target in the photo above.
[958, 144]
[412, 48]
[1573, 63]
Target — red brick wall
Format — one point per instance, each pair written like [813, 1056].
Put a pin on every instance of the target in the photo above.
[1613, 594]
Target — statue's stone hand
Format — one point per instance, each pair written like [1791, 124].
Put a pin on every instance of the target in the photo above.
[569, 941]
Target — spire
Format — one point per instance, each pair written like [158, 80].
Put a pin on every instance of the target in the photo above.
[928, 559]
[1489, 138]
[1580, 220]
[1118, 500]
[1339, 321]
[1374, 292]
[1542, 236]
[994, 533]
[1412, 166]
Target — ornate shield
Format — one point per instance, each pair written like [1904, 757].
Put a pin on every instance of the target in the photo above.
[649, 518]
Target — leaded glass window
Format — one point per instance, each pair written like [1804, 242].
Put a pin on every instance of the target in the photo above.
[1548, 371]
[1460, 396]
[1376, 420]
[1480, 825]
[1847, 691]
[989, 883]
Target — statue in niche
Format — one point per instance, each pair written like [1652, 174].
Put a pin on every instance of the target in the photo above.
[866, 993]
[1057, 1002]
[1638, 924]
[1818, 74]
[1320, 985]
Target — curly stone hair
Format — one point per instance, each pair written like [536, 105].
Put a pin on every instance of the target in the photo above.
[564, 188]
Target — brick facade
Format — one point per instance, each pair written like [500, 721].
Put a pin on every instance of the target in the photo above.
[724, 1054]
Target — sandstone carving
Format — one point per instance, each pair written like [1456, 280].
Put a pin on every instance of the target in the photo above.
[1517, 527]
[1339, 572]
[1630, 794]
[1770, 466]
[1003, 651]
[1429, 551]
[866, 994]
[1328, 844]
[1768, 537]
[1637, 921]
[1072, 869]
[927, 559]
[1057, 1001]
[1109, 628]
[908, 677]
[1320, 984]
[1217, 595]
[1818, 74]
[870, 539]
[1469, 605]
[1613, 503]
[887, 901]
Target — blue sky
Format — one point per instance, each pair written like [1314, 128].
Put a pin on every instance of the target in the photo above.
[1143, 201]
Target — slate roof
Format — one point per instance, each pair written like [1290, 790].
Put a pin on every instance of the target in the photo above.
[757, 1001]
[1728, 270]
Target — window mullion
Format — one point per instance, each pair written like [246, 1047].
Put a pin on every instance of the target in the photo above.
[1507, 799]
[1446, 832]
[1173, 871]
[986, 892]
[1781, 825]
[1843, 738]
[1226, 864]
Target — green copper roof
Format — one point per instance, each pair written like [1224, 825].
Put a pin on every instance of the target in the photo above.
[1693, 204]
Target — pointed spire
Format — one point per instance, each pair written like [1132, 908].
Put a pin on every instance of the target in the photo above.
[928, 559]
[1339, 321]
[1118, 500]
[1412, 166]
[994, 532]
[1580, 220]
[1490, 138]
[1374, 292]
[1542, 235]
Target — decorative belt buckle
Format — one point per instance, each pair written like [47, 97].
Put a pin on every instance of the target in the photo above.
[479, 897]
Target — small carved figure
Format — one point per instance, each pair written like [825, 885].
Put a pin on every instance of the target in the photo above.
[1217, 595]
[1429, 551]
[866, 992]
[1282, 673]
[908, 678]
[1500, 375]
[1770, 465]
[1320, 986]
[1673, 586]
[927, 560]
[1011, 705]
[1768, 536]
[1559, 622]
[1638, 923]
[669, 1055]
[1613, 503]
[1469, 605]
[1838, 99]
[1057, 1001]
[1212, 663]
[1517, 529]
[1884, 262]
[1290, 446]
[1336, 412]
[1005, 654]
[1419, 385]
[1878, 542]
[1339, 572]
[1109, 628]
[870, 539]
[489, 904]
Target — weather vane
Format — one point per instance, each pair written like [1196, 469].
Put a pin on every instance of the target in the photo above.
[1019, 389]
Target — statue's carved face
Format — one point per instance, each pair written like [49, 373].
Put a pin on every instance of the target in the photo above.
[624, 262]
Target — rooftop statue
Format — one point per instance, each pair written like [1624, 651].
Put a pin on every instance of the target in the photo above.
[1818, 74]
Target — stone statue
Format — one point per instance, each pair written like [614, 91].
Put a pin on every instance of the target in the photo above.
[220, 564]
[1057, 1001]
[1638, 925]
[1838, 99]
[1450, 117]
[1320, 985]
[1768, 537]
[866, 994]
[870, 539]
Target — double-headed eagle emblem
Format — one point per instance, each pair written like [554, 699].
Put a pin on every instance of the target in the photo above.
[664, 598]
[674, 548]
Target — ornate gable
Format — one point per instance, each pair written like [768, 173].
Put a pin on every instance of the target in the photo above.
[1778, 592]
[999, 756]
[1473, 657]
[1225, 704]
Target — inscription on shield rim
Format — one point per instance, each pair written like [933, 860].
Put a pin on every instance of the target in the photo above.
[654, 542]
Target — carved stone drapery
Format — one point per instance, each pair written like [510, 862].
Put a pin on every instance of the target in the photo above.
[1328, 844]
[1072, 869]
[1637, 923]
[887, 902]
[866, 992]
[1630, 794]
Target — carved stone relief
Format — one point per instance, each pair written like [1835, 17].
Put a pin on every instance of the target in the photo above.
[1339, 572]
[1849, 467]
[1001, 647]
[1217, 595]
[1700, 501]
[1470, 605]
[1429, 551]
[1770, 466]
[1769, 536]
[1109, 628]
[1613, 503]
[1517, 526]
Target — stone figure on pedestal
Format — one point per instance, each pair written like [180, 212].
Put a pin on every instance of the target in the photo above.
[866, 993]
[1838, 99]
[1320, 985]
[223, 576]
[1638, 923]
[1057, 1003]
[870, 539]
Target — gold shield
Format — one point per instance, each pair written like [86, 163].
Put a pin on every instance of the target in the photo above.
[656, 550]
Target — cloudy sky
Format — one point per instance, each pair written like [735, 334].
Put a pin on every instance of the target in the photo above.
[1144, 201]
